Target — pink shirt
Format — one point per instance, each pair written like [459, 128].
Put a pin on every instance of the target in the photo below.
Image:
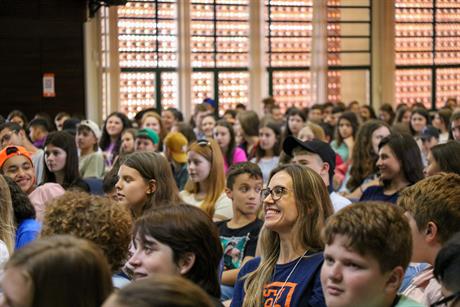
[238, 156]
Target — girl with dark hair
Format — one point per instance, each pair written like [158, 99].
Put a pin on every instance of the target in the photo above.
[419, 119]
[170, 117]
[295, 121]
[225, 137]
[287, 273]
[441, 121]
[268, 152]
[443, 158]
[366, 113]
[110, 141]
[61, 159]
[27, 228]
[128, 137]
[145, 182]
[399, 164]
[363, 170]
[247, 125]
[178, 240]
[205, 187]
[347, 126]
[57, 271]
[19, 118]
[386, 113]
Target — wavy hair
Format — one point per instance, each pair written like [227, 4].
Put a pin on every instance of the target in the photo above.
[313, 206]
[210, 150]
[7, 228]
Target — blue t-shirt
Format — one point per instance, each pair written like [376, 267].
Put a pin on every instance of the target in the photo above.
[303, 288]
[27, 231]
[376, 193]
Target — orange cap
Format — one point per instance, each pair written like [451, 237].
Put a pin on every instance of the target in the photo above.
[11, 151]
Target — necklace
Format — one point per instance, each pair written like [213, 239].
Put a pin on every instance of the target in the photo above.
[289, 276]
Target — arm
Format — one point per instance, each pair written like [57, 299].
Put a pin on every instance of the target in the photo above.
[229, 277]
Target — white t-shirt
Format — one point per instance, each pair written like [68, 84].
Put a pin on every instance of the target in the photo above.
[338, 201]
[223, 206]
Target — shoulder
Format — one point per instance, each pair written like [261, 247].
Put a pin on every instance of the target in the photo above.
[29, 225]
[250, 266]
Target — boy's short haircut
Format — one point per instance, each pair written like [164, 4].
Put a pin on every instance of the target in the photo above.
[378, 229]
[40, 122]
[447, 264]
[435, 199]
[250, 168]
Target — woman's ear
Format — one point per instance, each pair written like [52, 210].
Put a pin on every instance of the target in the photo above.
[152, 186]
[186, 263]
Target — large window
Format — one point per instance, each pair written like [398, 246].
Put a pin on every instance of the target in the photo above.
[427, 47]
[147, 49]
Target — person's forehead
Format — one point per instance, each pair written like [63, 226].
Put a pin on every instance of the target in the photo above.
[307, 155]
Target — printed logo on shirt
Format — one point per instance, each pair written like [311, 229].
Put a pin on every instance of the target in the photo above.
[233, 251]
[282, 295]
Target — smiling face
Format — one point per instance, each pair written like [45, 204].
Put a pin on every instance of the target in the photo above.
[280, 215]
[152, 123]
[207, 126]
[21, 170]
[418, 122]
[350, 279]
[198, 167]
[55, 158]
[114, 126]
[151, 257]
[388, 164]
[132, 188]
[168, 119]
[245, 194]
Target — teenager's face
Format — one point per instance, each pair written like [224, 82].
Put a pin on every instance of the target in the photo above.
[55, 158]
[432, 167]
[207, 126]
[21, 170]
[350, 279]
[315, 115]
[151, 257]
[144, 144]
[406, 117]
[222, 136]
[277, 115]
[295, 123]
[17, 288]
[280, 215]
[377, 136]
[388, 165]
[345, 128]
[312, 160]
[85, 139]
[60, 122]
[198, 167]
[152, 123]
[245, 194]
[127, 142]
[132, 189]
[18, 120]
[437, 122]
[455, 125]
[267, 138]
[364, 113]
[114, 125]
[168, 119]
[9, 137]
[418, 122]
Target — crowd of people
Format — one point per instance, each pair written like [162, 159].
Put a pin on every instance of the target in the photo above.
[333, 205]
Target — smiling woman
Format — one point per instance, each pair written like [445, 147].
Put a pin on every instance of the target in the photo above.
[296, 204]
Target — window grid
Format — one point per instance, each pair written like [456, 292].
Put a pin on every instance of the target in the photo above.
[427, 45]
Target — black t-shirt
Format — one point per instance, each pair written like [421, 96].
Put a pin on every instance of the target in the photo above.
[238, 243]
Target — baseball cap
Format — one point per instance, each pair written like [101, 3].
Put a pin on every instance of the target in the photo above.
[322, 149]
[211, 102]
[11, 151]
[149, 134]
[92, 126]
[177, 143]
[429, 132]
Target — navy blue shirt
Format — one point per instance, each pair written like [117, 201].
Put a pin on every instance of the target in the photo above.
[303, 288]
[376, 193]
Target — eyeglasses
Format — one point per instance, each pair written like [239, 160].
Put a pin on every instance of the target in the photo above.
[447, 299]
[277, 192]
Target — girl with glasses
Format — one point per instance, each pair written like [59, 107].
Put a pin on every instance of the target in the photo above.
[287, 273]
